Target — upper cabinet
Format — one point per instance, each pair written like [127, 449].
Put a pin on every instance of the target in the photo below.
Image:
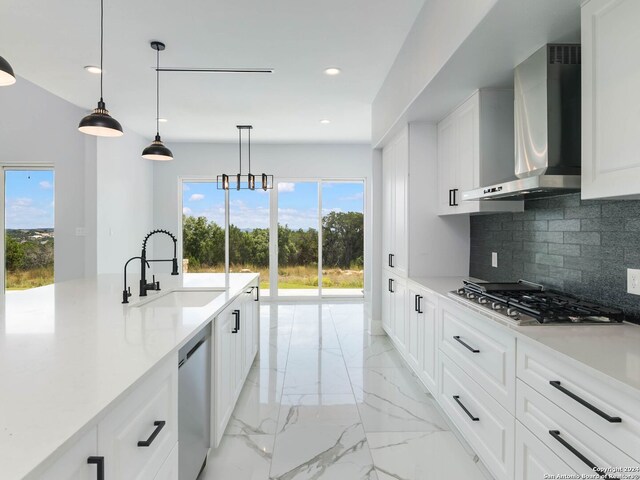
[476, 148]
[610, 99]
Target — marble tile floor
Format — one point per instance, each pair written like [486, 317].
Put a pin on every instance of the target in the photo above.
[324, 400]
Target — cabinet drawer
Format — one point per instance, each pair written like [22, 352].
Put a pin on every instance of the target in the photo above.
[534, 460]
[584, 397]
[487, 426]
[137, 419]
[578, 446]
[169, 469]
[485, 352]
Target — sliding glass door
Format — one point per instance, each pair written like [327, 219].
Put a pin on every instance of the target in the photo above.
[298, 219]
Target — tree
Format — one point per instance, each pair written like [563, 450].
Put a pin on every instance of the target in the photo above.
[343, 239]
[14, 253]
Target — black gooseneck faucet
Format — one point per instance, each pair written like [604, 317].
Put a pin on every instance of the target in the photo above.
[126, 293]
[144, 286]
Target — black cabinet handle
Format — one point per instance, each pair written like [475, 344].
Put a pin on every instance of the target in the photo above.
[556, 434]
[452, 197]
[391, 255]
[594, 409]
[257, 290]
[420, 304]
[159, 424]
[99, 463]
[415, 303]
[457, 399]
[236, 314]
[466, 345]
[391, 285]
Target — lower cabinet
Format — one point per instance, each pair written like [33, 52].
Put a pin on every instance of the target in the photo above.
[486, 425]
[421, 345]
[134, 441]
[394, 309]
[236, 331]
[534, 460]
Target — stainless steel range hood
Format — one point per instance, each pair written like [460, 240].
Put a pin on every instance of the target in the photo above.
[547, 127]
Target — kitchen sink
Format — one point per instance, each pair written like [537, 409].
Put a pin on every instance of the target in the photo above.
[181, 298]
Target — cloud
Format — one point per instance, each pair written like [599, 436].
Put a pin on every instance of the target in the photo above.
[286, 187]
[354, 197]
[195, 197]
[186, 211]
[20, 202]
[45, 185]
[25, 213]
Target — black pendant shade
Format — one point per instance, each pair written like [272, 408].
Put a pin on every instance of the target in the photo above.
[99, 122]
[7, 77]
[157, 151]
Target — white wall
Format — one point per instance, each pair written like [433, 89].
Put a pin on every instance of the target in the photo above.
[283, 161]
[439, 29]
[124, 200]
[37, 127]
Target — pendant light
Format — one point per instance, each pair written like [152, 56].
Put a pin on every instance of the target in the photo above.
[244, 182]
[99, 122]
[7, 77]
[157, 150]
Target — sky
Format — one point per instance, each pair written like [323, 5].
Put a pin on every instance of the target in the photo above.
[29, 199]
[298, 203]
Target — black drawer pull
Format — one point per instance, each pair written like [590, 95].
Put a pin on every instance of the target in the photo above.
[159, 424]
[420, 304]
[257, 290]
[556, 434]
[415, 303]
[236, 314]
[596, 410]
[391, 260]
[99, 463]
[457, 399]
[391, 285]
[452, 197]
[467, 346]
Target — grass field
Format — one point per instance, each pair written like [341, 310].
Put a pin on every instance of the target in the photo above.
[24, 279]
[299, 277]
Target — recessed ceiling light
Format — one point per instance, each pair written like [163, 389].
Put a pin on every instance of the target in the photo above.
[92, 69]
[332, 71]
[163, 120]
[325, 121]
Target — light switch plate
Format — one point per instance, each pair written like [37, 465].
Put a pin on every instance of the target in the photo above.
[494, 259]
[633, 281]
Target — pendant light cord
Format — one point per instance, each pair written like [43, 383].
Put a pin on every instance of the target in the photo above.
[249, 150]
[101, 43]
[158, 92]
[240, 148]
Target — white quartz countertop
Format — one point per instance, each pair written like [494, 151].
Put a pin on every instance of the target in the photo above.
[610, 352]
[69, 350]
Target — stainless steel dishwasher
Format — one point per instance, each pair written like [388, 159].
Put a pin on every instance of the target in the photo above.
[194, 397]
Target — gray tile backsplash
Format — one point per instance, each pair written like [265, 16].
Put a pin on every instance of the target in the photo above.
[581, 247]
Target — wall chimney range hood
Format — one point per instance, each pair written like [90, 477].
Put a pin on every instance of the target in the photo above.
[547, 127]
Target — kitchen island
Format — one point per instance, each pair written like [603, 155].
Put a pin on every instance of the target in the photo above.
[71, 351]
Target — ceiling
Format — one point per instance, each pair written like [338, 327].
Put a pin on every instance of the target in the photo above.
[49, 43]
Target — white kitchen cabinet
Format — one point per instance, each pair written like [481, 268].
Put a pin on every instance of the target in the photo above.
[610, 99]
[395, 158]
[534, 460]
[422, 340]
[137, 436]
[394, 305]
[485, 424]
[476, 149]
[225, 369]
[236, 331]
[73, 465]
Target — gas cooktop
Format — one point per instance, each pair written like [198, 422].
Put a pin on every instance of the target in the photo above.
[526, 303]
